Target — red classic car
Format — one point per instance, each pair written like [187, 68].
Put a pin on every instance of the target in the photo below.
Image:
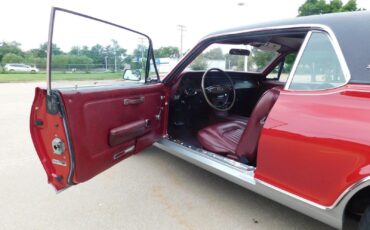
[280, 108]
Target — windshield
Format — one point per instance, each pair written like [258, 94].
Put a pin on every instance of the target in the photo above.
[218, 56]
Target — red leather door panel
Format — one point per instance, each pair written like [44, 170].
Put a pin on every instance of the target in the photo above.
[105, 126]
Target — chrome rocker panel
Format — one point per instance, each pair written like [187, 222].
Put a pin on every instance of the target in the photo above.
[243, 175]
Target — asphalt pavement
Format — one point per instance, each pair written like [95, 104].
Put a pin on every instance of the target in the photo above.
[151, 190]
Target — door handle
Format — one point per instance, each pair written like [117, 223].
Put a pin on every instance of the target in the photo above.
[133, 101]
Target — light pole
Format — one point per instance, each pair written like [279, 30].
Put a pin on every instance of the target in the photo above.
[115, 61]
[182, 29]
[106, 63]
[141, 40]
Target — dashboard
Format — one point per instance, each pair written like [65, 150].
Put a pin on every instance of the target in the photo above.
[189, 107]
[190, 84]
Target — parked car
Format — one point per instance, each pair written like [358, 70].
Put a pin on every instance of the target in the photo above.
[20, 68]
[297, 135]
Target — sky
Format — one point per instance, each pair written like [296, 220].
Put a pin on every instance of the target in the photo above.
[26, 21]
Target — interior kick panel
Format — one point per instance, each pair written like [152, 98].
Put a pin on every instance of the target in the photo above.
[98, 122]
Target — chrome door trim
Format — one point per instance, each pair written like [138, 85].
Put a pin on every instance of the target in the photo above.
[334, 42]
[298, 58]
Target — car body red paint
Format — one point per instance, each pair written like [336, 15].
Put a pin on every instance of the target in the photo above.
[314, 147]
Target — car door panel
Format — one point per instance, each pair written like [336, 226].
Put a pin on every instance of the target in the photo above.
[103, 129]
[92, 115]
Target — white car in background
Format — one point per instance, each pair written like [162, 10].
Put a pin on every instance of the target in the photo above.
[20, 68]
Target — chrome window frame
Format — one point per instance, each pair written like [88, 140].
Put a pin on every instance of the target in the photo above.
[339, 54]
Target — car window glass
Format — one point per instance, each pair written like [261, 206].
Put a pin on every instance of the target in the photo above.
[319, 66]
[287, 67]
[218, 56]
[86, 52]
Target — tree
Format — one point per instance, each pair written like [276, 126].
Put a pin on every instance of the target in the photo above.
[214, 54]
[10, 47]
[335, 6]
[260, 58]
[97, 54]
[167, 51]
[12, 58]
[200, 63]
[350, 6]
[312, 7]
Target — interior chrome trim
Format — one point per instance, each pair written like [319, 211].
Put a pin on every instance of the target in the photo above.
[133, 101]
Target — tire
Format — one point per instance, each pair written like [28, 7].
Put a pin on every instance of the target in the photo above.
[365, 220]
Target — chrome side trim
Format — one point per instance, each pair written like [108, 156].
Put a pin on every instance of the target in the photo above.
[338, 51]
[331, 215]
[297, 60]
[123, 152]
[217, 166]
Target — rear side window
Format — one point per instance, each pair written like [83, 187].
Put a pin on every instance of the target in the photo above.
[319, 66]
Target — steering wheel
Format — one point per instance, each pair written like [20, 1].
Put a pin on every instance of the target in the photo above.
[218, 96]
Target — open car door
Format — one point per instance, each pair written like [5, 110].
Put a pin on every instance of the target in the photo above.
[87, 125]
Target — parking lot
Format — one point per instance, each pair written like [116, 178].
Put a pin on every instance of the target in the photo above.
[152, 190]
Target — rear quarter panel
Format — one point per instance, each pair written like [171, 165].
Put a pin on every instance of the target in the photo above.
[316, 144]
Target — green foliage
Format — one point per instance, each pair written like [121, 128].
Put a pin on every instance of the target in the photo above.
[12, 58]
[140, 52]
[65, 59]
[98, 53]
[26, 77]
[260, 59]
[289, 60]
[167, 51]
[10, 47]
[200, 63]
[312, 7]
[350, 6]
[214, 54]
[234, 62]
[335, 6]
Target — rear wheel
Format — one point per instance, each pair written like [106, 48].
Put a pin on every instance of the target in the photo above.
[365, 220]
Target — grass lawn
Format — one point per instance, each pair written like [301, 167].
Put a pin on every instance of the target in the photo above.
[27, 77]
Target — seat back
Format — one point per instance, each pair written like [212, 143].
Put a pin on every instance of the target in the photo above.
[247, 146]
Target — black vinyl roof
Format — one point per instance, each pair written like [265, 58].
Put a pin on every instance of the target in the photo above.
[352, 31]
